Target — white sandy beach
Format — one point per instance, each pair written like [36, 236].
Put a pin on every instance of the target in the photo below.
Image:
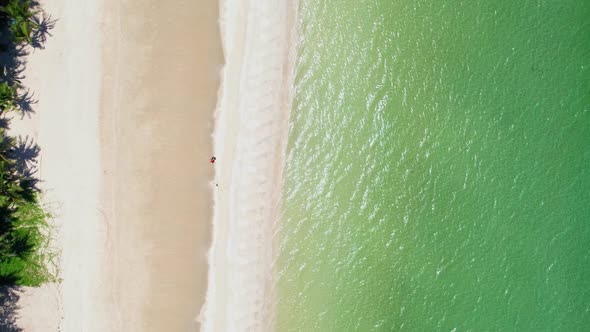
[259, 39]
[124, 121]
[65, 78]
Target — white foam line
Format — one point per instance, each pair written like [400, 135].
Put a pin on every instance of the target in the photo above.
[250, 135]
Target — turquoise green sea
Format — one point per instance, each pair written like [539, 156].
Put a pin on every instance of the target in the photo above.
[438, 168]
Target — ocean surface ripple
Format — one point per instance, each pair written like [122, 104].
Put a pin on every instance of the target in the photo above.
[437, 169]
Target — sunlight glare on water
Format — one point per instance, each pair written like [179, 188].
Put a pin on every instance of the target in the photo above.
[437, 170]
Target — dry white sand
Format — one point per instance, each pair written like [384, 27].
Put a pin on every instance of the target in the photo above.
[126, 93]
[65, 78]
[250, 139]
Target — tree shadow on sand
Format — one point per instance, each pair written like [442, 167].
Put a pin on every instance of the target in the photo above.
[25, 102]
[12, 66]
[46, 24]
[25, 153]
[12, 63]
[9, 297]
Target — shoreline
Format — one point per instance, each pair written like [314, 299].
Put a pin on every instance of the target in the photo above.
[157, 120]
[250, 136]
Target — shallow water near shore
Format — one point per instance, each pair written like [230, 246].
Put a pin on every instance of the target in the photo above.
[437, 174]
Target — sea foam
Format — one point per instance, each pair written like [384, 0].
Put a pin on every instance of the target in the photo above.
[251, 125]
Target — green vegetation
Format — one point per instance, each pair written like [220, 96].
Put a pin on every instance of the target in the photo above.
[7, 97]
[25, 258]
[21, 20]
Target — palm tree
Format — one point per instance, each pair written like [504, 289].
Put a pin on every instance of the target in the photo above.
[7, 97]
[21, 21]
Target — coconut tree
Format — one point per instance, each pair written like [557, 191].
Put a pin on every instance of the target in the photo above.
[21, 22]
[7, 97]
